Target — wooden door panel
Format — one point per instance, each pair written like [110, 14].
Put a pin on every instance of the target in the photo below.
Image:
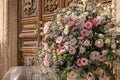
[31, 12]
[29, 25]
[29, 8]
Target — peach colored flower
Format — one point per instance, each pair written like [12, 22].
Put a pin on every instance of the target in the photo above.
[95, 22]
[99, 43]
[73, 41]
[85, 33]
[74, 18]
[72, 50]
[72, 75]
[102, 58]
[88, 25]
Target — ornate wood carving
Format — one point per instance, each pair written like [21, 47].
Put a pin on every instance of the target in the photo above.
[29, 8]
[29, 60]
[49, 6]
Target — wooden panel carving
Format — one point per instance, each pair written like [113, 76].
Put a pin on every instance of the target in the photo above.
[49, 6]
[29, 8]
[28, 60]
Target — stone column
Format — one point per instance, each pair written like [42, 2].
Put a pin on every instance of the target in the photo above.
[8, 35]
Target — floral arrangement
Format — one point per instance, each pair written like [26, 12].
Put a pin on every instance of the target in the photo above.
[82, 42]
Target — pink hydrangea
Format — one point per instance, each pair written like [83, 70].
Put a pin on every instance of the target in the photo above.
[84, 33]
[72, 24]
[88, 25]
[95, 22]
[79, 64]
[47, 60]
[46, 46]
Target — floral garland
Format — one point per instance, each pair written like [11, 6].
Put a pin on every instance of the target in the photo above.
[81, 43]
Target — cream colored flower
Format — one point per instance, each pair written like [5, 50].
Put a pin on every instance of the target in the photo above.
[82, 18]
[107, 41]
[87, 43]
[104, 52]
[102, 58]
[72, 50]
[113, 46]
[59, 17]
[101, 36]
[99, 43]
[72, 75]
[73, 41]
[118, 51]
[94, 55]
[82, 50]
[59, 39]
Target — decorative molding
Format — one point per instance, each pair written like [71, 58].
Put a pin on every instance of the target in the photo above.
[29, 8]
[51, 5]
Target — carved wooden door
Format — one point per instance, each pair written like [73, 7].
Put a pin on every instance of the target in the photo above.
[30, 13]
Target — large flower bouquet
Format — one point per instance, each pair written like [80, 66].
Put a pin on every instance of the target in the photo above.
[81, 43]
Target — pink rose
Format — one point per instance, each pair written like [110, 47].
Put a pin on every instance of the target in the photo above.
[79, 64]
[88, 25]
[84, 33]
[72, 24]
[95, 22]
[84, 61]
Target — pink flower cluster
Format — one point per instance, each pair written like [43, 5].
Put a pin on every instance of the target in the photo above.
[82, 62]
